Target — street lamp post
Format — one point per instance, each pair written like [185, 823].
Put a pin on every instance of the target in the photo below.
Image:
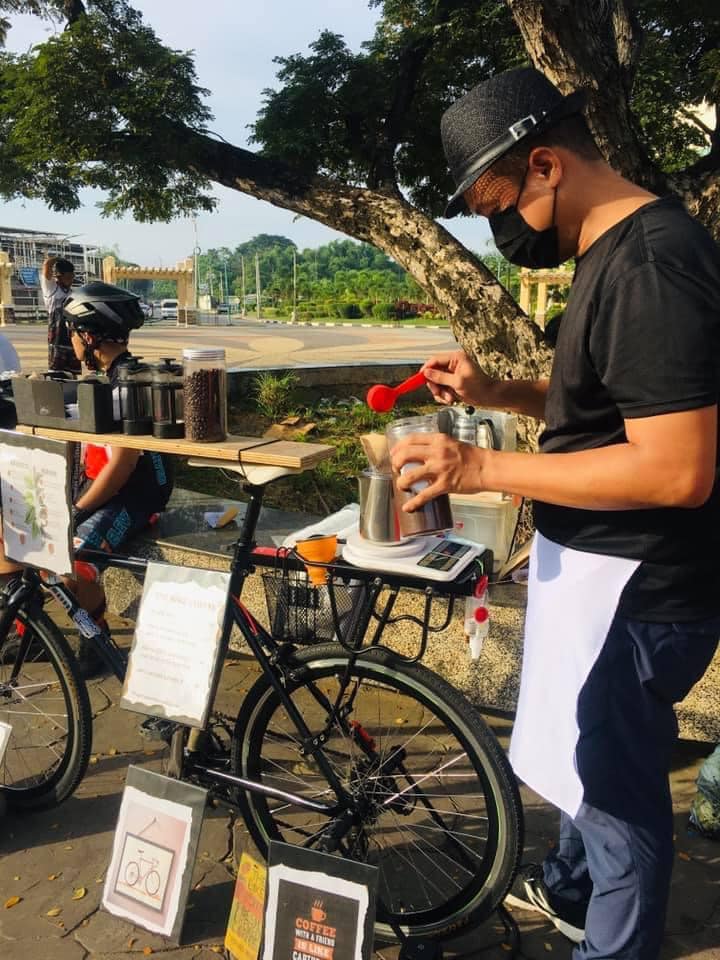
[257, 285]
[294, 309]
[242, 272]
[196, 278]
[227, 288]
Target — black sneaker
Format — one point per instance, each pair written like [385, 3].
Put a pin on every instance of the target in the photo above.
[529, 892]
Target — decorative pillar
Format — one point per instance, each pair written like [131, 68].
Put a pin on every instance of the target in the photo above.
[109, 270]
[187, 306]
[541, 306]
[525, 291]
[7, 311]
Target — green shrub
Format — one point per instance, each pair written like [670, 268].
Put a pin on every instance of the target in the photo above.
[384, 311]
[274, 393]
[367, 307]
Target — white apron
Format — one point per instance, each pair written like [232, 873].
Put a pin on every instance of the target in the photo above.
[572, 599]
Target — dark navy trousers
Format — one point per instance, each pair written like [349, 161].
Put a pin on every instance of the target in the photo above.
[616, 855]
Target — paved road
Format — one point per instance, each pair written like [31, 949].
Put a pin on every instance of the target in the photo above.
[46, 857]
[254, 344]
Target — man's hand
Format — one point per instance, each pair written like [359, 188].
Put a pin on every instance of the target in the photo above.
[48, 267]
[454, 376]
[447, 465]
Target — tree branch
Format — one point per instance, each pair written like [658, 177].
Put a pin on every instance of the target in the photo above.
[483, 316]
[410, 64]
[696, 121]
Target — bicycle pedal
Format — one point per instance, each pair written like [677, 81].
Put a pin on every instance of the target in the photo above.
[157, 728]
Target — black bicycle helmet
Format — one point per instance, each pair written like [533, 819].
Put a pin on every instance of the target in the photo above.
[107, 312]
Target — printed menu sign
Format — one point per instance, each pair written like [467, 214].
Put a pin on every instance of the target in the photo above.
[176, 644]
[35, 491]
[245, 924]
[319, 907]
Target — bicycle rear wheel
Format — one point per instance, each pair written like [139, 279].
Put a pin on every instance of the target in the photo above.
[444, 825]
[46, 703]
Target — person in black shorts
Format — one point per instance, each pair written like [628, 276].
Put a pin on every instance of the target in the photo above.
[624, 591]
[119, 490]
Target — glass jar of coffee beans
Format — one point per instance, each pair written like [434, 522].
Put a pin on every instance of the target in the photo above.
[205, 394]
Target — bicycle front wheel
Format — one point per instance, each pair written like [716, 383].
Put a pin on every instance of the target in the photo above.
[46, 704]
[436, 804]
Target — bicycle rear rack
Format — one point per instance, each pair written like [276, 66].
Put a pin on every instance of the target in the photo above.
[353, 607]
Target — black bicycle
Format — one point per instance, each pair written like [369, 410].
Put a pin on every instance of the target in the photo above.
[341, 744]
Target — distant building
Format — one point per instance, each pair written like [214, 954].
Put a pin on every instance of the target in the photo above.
[27, 250]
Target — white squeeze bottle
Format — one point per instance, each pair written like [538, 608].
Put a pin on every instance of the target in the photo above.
[477, 617]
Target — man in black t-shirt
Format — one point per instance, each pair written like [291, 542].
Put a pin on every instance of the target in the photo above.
[624, 600]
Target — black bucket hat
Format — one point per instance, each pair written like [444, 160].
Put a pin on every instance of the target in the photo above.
[492, 117]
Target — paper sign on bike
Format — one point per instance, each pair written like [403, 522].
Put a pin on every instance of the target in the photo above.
[176, 644]
[36, 501]
[5, 732]
[154, 848]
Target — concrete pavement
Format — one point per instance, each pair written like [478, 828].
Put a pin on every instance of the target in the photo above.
[45, 857]
[249, 343]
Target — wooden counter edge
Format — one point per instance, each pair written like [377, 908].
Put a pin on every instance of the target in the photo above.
[251, 450]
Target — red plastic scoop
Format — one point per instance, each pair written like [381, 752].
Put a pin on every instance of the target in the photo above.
[382, 398]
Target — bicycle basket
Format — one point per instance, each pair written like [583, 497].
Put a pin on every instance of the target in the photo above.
[303, 613]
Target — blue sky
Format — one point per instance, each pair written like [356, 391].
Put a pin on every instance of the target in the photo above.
[234, 44]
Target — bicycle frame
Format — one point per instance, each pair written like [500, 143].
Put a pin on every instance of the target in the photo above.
[29, 585]
[267, 651]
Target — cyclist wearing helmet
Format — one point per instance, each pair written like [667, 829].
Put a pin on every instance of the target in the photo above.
[120, 489]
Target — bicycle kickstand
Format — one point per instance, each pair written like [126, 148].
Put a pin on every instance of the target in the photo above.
[420, 950]
[411, 949]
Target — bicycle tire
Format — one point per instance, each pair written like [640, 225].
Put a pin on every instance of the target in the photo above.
[24, 785]
[261, 736]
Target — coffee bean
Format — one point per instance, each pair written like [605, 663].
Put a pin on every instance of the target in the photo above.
[204, 396]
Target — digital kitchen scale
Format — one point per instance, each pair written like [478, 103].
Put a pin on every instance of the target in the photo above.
[434, 558]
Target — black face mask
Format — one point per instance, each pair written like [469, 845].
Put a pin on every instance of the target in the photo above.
[522, 244]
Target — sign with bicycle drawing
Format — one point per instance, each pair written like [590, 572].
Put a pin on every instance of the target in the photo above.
[144, 869]
[154, 849]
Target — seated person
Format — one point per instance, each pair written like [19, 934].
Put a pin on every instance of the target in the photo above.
[120, 489]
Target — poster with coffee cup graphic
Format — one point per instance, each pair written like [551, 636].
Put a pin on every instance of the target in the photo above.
[319, 907]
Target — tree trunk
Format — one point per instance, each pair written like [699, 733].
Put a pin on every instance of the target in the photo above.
[592, 44]
[701, 194]
[484, 318]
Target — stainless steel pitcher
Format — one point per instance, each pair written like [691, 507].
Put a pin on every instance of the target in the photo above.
[379, 520]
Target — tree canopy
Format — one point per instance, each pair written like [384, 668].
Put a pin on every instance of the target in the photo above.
[351, 139]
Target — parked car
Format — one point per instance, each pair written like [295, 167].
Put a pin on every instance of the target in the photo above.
[223, 308]
[146, 309]
[169, 309]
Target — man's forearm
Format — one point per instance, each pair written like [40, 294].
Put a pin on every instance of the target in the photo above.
[520, 396]
[619, 477]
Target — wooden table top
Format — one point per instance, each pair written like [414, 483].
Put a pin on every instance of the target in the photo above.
[259, 451]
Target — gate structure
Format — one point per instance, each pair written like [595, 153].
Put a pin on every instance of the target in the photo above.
[542, 279]
[183, 274]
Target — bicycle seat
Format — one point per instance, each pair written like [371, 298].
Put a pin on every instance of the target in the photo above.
[256, 474]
